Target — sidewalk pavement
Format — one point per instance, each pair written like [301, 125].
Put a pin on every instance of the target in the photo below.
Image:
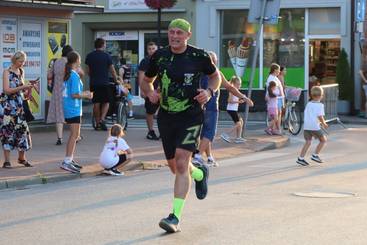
[46, 156]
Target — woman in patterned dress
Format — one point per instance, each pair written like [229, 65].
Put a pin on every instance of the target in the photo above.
[56, 111]
[14, 131]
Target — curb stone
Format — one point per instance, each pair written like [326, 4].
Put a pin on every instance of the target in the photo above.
[44, 179]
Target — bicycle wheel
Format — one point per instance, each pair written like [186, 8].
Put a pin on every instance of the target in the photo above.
[122, 114]
[295, 121]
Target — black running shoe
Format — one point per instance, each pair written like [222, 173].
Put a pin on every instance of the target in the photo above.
[103, 126]
[302, 162]
[201, 187]
[152, 136]
[59, 141]
[316, 158]
[170, 224]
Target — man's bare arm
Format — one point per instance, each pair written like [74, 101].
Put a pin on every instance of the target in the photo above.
[147, 88]
[141, 75]
[113, 73]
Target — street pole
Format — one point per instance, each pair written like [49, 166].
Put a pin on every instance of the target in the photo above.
[254, 61]
[159, 27]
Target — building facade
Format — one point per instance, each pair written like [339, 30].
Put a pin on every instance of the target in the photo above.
[41, 30]
[306, 40]
[127, 25]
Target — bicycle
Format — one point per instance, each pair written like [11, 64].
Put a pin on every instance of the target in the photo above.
[292, 119]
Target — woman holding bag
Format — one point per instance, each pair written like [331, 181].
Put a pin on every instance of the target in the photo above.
[14, 130]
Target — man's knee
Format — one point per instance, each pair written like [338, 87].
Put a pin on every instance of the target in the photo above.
[182, 158]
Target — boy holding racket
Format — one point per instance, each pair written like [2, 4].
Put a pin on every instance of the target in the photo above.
[313, 121]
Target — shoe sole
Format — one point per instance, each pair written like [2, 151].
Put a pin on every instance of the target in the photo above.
[302, 163]
[70, 170]
[205, 180]
[225, 139]
[315, 160]
[168, 228]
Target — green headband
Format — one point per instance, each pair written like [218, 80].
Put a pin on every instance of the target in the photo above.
[181, 24]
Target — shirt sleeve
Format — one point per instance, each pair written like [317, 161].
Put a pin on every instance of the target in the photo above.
[208, 66]
[122, 145]
[152, 67]
[109, 60]
[75, 84]
[321, 110]
[143, 64]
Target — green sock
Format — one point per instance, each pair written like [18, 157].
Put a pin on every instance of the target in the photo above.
[197, 174]
[178, 205]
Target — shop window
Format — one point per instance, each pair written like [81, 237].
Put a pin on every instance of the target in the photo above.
[284, 44]
[324, 21]
[322, 61]
[236, 39]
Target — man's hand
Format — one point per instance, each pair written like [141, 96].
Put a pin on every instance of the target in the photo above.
[153, 97]
[203, 96]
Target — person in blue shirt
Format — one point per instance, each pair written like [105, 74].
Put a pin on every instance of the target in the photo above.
[211, 117]
[73, 94]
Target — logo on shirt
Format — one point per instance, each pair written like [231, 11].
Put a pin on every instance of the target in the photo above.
[188, 78]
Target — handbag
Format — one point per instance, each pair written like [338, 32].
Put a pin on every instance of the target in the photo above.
[28, 116]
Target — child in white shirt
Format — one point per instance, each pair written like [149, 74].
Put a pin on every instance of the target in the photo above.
[313, 117]
[116, 152]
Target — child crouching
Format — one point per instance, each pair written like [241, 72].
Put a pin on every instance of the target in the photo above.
[116, 152]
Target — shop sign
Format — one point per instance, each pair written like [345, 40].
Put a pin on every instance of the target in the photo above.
[57, 39]
[8, 42]
[31, 44]
[118, 35]
[127, 5]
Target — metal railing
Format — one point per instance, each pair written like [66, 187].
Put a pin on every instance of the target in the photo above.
[330, 101]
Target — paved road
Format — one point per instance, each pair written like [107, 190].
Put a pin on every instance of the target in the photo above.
[251, 201]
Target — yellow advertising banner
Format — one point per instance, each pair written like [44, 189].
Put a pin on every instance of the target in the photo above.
[57, 39]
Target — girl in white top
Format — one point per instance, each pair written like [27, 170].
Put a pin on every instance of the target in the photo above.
[273, 76]
[232, 109]
[116, 152]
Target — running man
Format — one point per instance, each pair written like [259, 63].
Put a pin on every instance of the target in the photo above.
[179, 68]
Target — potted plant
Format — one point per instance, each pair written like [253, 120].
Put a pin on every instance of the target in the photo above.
[345, 81]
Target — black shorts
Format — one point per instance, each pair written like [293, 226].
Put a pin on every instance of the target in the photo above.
[181, 130]
[150, 108]
[234, 115]
[73, 120]
[102, 94]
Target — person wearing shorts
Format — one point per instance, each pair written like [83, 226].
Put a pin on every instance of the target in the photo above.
[72, 105]
[313, 117]
[179, 68]
[99, 64]
[150, 108]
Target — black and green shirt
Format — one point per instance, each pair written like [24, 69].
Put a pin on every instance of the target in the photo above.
[179, 76]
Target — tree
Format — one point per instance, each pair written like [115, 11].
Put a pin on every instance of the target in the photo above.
[344, 77]
[159, 5]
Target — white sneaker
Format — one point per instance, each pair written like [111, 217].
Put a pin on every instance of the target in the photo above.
[212, 163]
[225, 137]
[239, 140]
[197, 161]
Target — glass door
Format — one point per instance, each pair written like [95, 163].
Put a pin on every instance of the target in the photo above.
[323, 57]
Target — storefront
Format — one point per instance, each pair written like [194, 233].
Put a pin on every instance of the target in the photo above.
[41, 30]
[307, 39]
[127, 26]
